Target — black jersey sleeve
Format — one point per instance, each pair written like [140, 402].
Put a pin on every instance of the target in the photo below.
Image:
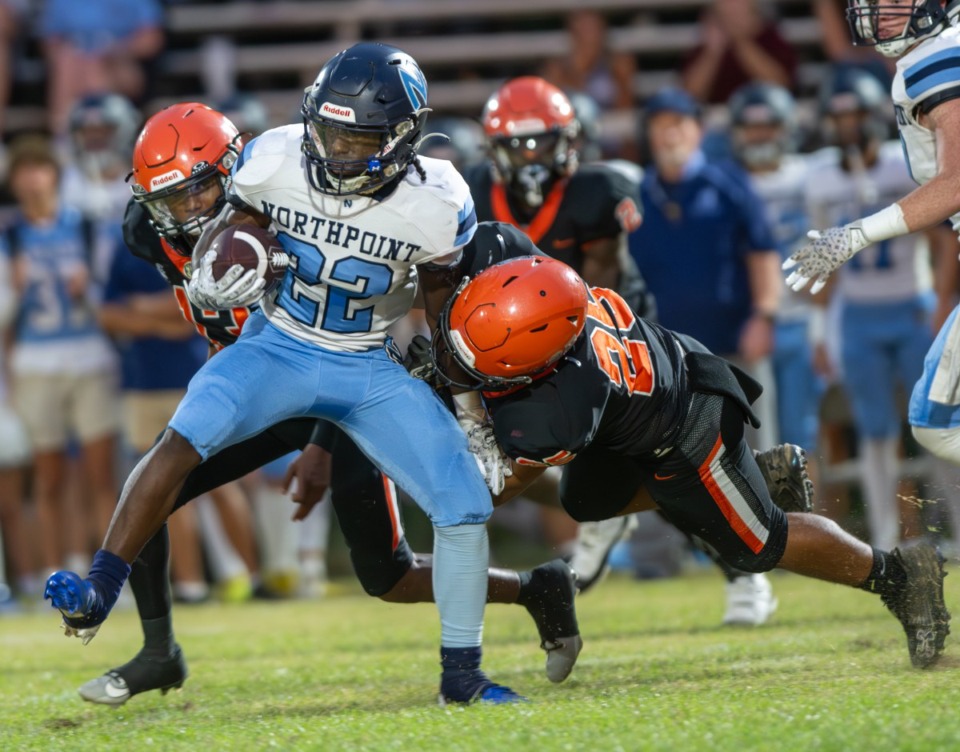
[138, 235]
[492, 243]
[607, 198]
[551, 421]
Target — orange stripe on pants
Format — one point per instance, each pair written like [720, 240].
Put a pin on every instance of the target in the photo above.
[726, 507]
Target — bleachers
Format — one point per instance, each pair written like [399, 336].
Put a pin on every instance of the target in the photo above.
[280, 45]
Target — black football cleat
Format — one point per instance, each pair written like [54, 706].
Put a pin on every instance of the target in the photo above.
[784, 468]
[550, 601]
[147, 671]
[919, 605]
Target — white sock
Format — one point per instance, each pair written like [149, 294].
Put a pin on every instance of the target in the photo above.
[460, 556]
[277, 533]
[314, 531]
[225, 562]
[879, 470]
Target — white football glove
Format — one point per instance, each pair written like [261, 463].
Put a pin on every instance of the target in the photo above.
[237, 288]
[481, 442]
[828, 251]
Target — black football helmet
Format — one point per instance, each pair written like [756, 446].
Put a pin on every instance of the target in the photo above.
[362, 119]
[103, 128]
[848, 90]
[762, 118]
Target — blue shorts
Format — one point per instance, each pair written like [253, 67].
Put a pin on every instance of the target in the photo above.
[397, 421]
[883, 345]
[924, 412]
[799, 388]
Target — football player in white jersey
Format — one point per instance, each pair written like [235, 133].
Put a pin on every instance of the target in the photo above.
[884, 294]
[926, 96]
[363, 221]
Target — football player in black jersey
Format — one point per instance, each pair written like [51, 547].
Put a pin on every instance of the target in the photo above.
[161, 225]
[533, 180]
[642, 417]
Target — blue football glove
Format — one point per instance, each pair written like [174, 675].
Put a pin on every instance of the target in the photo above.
[86, 603]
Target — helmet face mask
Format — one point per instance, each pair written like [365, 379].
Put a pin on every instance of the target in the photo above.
[762, 116]
[532, 136]
[892, 27]
[510, 324]
[181, 166]
[183, 209]
[362, 120]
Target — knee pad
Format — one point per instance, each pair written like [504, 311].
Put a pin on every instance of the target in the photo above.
[940, 442]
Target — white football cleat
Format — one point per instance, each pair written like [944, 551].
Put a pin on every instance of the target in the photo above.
[750, 600]
[595, 541]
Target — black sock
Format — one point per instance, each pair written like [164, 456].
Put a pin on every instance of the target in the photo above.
[540, 593]
[523, 596]
[887, 575]
[460, 659]
[149, 580]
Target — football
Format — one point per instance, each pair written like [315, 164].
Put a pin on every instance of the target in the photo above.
[251, 247]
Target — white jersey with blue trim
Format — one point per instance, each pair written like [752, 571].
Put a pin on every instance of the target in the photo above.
[352, 265]
[928, 73]
[782, 192]
[892, 270]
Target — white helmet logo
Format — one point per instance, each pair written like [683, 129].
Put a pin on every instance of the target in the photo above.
[338, 112]
[168, 177]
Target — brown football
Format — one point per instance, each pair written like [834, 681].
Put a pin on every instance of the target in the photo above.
[251, 247]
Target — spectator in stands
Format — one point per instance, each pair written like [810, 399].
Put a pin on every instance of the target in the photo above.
[590, 67]
[62, 364]
[592, 71]
[835, 33]
[97, 46]
[10, 11]
[739, 44]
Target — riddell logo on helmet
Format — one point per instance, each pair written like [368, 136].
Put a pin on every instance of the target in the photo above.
[167, 177]
[337, 112]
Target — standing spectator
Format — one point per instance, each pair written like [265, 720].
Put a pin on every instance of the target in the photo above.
[739, 44]
[62, 364]
[97, 46]
[14, 455]
[708, 255]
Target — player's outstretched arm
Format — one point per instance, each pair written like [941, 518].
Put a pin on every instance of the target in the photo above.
[933, 202]
[518, 480]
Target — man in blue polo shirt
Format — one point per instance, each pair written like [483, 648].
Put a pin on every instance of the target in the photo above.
[710, 261]
[705, 246]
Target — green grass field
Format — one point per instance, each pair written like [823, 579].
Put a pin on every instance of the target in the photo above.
[830, 672]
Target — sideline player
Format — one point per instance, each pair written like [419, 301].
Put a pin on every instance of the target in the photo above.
[362, 219]
[926, 96]
[578, 213]
[640, 416]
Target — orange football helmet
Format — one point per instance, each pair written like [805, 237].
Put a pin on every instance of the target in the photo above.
[512, 322]
[532, 133]
[181, 162]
